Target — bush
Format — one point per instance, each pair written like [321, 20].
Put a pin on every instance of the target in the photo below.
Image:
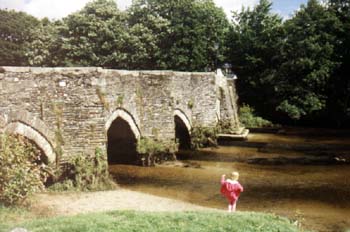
[21, 169]
[85, 173]
[152, 151]
[227, 127]
[203, 137]
[249, 119]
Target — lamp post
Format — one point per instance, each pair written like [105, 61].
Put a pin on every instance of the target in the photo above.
[227, 67]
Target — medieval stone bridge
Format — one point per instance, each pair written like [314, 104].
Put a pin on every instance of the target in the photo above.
[67, 111]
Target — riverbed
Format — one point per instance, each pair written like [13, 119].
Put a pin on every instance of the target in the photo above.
[303, 176]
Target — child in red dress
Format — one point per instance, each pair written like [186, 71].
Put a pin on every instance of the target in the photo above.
[231, 189]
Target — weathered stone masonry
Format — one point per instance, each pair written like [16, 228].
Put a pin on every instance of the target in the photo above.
[69, 110]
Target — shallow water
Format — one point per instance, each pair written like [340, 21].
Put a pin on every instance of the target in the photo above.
[316, 196]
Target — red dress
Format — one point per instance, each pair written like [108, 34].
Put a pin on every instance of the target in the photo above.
[231, 190]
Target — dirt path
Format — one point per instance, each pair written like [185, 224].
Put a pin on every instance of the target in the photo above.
[121, 199]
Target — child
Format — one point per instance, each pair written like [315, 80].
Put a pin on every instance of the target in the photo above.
[231, 189]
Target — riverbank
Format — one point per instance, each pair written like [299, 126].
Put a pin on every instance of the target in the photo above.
[135, 212]
[68, 204]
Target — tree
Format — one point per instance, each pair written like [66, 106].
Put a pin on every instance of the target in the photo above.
[95, 36]
[254, 43]
[148, 30]
[152, 34]
[46, 48]
[338, 104]
[212, 28]
[185, 31]
[308, 64]
[15, 31]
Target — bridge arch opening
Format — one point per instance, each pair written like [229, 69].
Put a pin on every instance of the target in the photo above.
[182, 130]
[34, 137]
[122, 135]
[121, 148]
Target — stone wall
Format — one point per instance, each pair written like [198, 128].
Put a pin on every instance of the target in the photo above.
[69, 110]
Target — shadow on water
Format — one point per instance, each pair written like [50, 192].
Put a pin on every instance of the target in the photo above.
[315, 193]
[271, 157]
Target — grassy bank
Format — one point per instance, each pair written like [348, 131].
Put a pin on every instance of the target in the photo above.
[146, 221]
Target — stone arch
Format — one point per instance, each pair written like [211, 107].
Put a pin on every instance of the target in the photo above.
[182, 129]
[179, 113]
[23, 123]
[122, 135]
[27, 118]
[20, 128]
[126, 116]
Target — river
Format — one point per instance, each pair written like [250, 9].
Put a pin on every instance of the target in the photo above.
[303, 175]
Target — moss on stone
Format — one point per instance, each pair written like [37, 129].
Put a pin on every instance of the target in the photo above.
[102, 96]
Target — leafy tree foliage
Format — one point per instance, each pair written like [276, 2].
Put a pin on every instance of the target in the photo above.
[185, 32]
[46, 47]
[254, 44]
[338, 104]
[148, 30]
[152, 34]
[95, 35]
[15, 31]
[308, 61]
[297, 68]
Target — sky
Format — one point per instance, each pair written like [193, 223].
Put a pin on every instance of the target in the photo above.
[56, 9]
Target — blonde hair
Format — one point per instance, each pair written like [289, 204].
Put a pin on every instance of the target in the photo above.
[234, 175]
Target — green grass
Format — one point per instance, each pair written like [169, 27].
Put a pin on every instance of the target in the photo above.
[12, 216]
[146, 221]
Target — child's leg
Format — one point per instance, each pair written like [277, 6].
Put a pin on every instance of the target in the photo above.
[234, 206]
[230, 206]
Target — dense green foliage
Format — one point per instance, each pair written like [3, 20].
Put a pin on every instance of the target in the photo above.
[84, 173]
[21, 169]
[307, 64]
[338, 104]
[94, 35]
[253, 48]
[152, 34]
[186, 32]
[145, 221]
[203, 137]
[290, 71]
[46, 47]
[15, 30]
[248, 118]
[152, 151]
[294, 70]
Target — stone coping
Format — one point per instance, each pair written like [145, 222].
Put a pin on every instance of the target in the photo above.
[19, 69]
